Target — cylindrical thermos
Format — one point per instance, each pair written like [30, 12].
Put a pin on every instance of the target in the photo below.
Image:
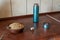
[36, 13]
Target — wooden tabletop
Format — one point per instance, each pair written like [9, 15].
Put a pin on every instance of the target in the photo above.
[53, 33]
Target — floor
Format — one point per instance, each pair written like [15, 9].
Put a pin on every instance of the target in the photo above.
[53, 33]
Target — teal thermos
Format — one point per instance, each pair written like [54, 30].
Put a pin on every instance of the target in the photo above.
[36, 13]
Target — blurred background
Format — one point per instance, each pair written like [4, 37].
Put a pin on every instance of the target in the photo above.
[10, 8]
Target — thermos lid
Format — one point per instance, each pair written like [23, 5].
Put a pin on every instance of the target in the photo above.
[45, 25]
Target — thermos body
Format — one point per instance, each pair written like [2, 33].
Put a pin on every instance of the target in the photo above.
[36, 13]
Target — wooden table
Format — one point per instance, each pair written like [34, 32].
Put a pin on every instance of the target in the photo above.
[53, 33]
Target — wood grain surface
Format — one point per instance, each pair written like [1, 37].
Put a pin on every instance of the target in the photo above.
[53, 33]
